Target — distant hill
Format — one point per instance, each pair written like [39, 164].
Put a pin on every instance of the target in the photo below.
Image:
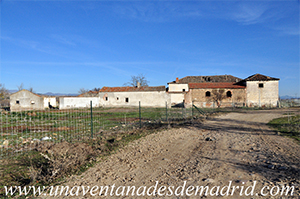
[286, 97]
[49, 93]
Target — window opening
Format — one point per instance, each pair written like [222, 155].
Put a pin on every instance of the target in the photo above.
[207, 94]
[228, 94]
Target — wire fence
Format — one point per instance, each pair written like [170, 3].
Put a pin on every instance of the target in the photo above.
[23, 130]
[290, 102]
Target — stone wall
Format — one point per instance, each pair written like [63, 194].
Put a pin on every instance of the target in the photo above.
[267, 95]
[25, 100]
[199, 98]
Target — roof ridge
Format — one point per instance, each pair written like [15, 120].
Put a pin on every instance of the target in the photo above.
[260, 77]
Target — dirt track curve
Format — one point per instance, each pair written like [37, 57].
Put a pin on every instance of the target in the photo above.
[237, 147]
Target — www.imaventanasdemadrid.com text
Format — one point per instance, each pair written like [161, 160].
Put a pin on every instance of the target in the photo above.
[154, 190]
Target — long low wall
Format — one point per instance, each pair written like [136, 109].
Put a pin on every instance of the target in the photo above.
[123, 99]
[117, 99]
[78, 102]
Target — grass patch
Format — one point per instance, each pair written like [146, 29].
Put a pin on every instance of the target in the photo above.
[289, 114]
[27, 160]
[287, 126]
[15, 127]
[16, 171]
[49, 163]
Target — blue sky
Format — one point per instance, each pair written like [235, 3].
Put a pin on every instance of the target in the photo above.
[62, 46]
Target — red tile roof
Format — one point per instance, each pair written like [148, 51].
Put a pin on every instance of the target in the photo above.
[231, 85]
[133, 89]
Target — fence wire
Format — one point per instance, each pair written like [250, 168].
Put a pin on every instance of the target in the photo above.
[290, 102]
[23, 130]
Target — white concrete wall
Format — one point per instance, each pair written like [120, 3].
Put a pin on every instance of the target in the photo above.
[147, 98]
[178, 87]
[52, 101]
[266, 96]
[77, 102]
[176, 98]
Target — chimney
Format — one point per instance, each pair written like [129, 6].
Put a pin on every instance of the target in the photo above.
[138, 84]
[177, 80]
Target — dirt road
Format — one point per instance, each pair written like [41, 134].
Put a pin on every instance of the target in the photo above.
[236, 147]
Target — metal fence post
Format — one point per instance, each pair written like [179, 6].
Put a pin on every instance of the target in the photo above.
[166, 111]
[192, 109]
[140, 116]
[91, 119]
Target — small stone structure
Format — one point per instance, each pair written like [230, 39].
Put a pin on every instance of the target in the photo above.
[25, 100]
[261, 90]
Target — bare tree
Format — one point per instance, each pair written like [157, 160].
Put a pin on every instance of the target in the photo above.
[4, 96]
[3, 91]
[96, 89]
[135, 79]
[31, 89]
[218, 95]
[83, 90]
[21, 87]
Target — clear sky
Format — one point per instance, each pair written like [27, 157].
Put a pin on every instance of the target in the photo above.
[62, 46]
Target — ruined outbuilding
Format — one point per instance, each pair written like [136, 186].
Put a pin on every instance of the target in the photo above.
[25, 100]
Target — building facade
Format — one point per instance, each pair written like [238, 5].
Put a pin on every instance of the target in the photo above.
[262, 90]
[202, 91]
[224, 91]
[25, 100]
[131, 96]
[224, 94]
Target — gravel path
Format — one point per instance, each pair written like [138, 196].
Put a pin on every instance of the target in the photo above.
[236, 147]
